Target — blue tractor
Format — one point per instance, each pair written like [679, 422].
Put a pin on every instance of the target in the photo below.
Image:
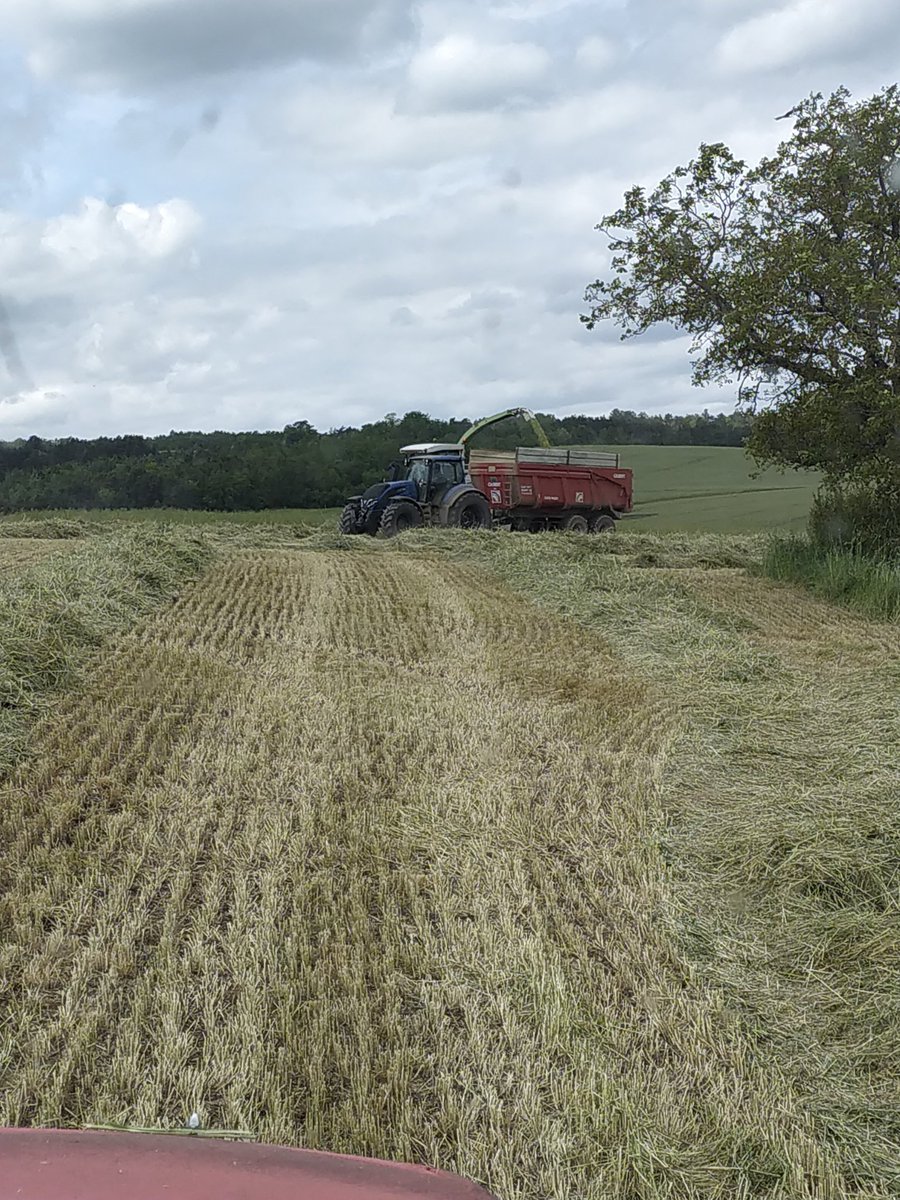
[430, 487]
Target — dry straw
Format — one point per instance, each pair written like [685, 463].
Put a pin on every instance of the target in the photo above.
[569, 865]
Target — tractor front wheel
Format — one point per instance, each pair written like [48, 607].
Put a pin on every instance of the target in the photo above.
[399, 516]
[349, 520]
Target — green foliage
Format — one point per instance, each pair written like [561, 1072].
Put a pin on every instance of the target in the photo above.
[294, 468]
[861, 517]
[787, 275]
[869, 585]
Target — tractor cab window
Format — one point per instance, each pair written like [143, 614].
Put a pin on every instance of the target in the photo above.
[418, 473]
[444, 475]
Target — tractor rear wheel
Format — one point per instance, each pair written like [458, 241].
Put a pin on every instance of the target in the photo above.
[603, 524]
[349, 522]
[399, 516]
[575, 523]
[471, 511]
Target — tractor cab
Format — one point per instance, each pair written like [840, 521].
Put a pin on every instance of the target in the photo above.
[433, 467]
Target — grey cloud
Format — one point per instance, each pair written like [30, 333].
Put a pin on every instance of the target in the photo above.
[487, 298]
[159, 42]
[9, 350]
[25, 124]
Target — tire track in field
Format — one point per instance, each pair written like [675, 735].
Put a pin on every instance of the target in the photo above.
[362, 852]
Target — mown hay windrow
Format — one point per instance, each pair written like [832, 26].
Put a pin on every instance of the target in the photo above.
[48, 527]
[54, 612]
[16, 553]
[783, 800]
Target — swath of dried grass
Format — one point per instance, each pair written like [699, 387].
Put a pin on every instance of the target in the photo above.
[20, 552]
[782, 798]
[362, 852]
[57, 609]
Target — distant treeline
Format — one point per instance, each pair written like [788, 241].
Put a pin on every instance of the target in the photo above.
[296, 467]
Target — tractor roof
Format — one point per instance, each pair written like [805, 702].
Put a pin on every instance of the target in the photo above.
[433, 448]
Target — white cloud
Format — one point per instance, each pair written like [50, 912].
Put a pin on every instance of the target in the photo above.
[576, 118]
[40, 409]
[725, 8]
[595, 54]
[364, 125]
[535, 10]
[801, 31]
[115, 235]
[461, 73]
[81, 303]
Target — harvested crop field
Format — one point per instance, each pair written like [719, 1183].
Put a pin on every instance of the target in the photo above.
[21, 552]
[571, 874]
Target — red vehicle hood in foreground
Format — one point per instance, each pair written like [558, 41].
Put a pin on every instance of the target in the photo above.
[69, 1164]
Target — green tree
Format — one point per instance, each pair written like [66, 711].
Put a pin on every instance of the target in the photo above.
[787, 277]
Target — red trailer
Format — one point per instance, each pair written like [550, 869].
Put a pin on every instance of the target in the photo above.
[530, 489]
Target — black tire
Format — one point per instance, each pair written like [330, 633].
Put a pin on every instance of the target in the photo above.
[470, 511]
[575, 523]
[399, 516]
[349, 521]
[603, 523]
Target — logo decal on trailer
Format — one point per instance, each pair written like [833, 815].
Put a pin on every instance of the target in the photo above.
[579, 497]
[495, 496]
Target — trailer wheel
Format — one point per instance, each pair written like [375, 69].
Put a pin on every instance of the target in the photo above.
[471, 511]
[575, 523]
[399, 516]
[349, 521]
[603, 524]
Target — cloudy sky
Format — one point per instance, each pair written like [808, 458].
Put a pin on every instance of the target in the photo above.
[238, 213]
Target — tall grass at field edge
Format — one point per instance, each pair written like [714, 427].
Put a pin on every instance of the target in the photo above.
[52, 615]
[846, 577]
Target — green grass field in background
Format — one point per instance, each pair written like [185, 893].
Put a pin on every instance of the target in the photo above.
[675, 488]
[713, 488]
